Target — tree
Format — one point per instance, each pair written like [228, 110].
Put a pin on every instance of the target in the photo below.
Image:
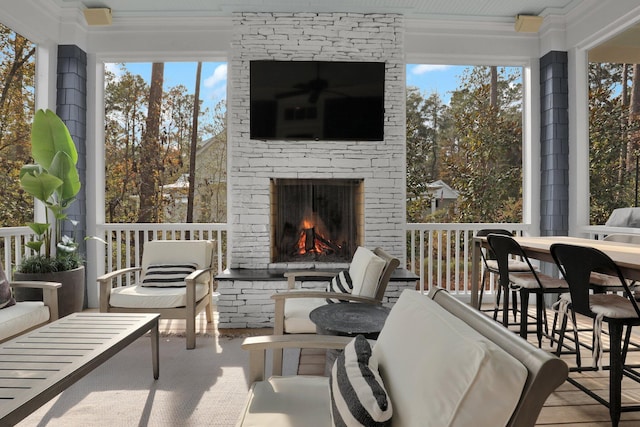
[17, 70]
[194, 146]
[425, 124]
[125, 108]
[151, 164]
[483, 157]
[611, 150]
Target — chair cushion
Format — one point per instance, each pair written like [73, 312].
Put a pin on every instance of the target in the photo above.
[199, 252]
[358, 396]
[463, 379]
[296, 315]
[528, 281]
[340, 283]
[514, 265]
[22, 316]
[612, 305]
[365, 271]
[292, 401]
[146, 297]
[168, 275]
[6, 296]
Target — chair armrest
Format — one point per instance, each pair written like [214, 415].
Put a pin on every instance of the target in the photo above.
[258, 346]
[105, 283]
[293, 275]
[35, 284]
[49, 294]
[105, 278]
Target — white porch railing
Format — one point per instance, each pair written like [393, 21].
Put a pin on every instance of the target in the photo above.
[440, 253]
[12, 246]
[124, 242]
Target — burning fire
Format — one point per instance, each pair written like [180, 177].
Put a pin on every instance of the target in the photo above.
[313, 238]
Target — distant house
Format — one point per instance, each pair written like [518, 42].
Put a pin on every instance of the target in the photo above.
[443, 195]
[211, 186]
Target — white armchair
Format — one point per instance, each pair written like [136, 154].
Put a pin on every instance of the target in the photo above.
[370, 272]
[176, 280]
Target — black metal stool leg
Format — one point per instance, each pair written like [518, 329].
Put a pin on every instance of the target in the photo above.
[615, 372]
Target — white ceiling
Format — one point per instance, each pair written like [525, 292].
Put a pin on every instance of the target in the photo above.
[463, 10]
[625, 47]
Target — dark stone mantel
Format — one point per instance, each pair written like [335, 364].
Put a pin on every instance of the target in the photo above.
[268, 274]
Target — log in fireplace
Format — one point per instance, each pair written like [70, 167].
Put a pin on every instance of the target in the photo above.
[316, 220]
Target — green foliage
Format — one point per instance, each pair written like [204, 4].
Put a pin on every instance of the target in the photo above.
[53, 180]
[612, 178]
[17, 70]
[44, 264]
[126, 110]
[472, 145]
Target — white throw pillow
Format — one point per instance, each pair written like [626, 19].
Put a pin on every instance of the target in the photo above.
[463, 379]
[365, 271]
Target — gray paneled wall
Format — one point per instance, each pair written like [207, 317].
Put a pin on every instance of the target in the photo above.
[554, 144]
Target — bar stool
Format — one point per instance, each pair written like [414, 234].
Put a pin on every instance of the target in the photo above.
[526, 283]
[577, 263]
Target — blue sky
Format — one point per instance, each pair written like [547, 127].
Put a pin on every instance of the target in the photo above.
[428, 78]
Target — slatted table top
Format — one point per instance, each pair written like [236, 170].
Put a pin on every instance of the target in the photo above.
[37, 366]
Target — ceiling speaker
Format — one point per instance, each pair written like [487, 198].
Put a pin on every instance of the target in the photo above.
[528, 23]
[98, 16]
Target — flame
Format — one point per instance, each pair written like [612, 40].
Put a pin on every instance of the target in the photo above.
[313, 227]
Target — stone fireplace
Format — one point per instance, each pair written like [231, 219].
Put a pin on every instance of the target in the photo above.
[255, 166]
[316, 219]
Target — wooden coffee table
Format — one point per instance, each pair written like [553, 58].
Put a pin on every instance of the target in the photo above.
[39, 365]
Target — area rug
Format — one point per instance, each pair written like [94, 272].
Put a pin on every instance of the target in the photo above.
[205, 386]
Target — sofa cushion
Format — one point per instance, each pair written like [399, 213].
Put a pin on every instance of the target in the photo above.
[168, 275]
[340, 283]
[358, 396]
[296, 315]
[288, 402]
[365, 271]
[461, 378]
[21, 317]
[6, 296]
[199, 252]
[137, 296]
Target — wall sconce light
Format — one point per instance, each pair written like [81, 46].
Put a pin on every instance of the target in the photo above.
[528, 23]
[98, 16]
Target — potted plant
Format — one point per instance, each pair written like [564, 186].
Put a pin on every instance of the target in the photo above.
[54, 180]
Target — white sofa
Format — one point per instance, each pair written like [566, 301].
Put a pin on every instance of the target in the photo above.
[27, 315]
[441, 362]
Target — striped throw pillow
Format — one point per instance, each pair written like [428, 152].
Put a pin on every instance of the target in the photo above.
[167, 275]
[358, 396]
[340, 283]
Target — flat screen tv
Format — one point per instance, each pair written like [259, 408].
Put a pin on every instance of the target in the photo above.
[316, 100]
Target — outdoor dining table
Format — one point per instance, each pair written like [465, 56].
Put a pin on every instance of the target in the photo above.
[625, 255]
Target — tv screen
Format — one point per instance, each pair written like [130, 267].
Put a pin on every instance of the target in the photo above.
[296, 100]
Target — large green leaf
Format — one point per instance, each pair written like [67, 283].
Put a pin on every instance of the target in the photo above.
[64, 168]
[40, 185]
[50, 135]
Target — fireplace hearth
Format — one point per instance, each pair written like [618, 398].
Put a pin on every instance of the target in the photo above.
[316, 220]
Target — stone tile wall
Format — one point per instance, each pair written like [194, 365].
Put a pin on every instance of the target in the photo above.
[322, 37]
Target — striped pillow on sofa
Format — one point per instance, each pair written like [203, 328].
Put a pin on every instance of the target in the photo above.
[358, 396]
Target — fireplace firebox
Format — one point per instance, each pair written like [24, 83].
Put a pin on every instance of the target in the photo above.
[316, 220]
